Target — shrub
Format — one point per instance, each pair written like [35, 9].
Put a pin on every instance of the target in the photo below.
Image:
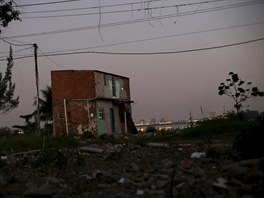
[249, 143]
[219, 128]
[4, 131]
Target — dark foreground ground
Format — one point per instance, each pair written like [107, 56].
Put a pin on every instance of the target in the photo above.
[131, 170]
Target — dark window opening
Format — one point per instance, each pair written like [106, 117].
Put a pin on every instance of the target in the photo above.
[61, 115]
[101, 114]
[113, 86]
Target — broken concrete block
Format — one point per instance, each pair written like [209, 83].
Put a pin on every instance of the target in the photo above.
[198, 155]
[158, 145]
[91, 150]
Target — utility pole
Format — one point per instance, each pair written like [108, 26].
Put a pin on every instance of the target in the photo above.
[37, 85]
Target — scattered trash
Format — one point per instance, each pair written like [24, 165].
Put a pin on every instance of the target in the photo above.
[121, 180]
[221, 183]
[198, 155]
[3, 158]
[140, 192]
[158, 145]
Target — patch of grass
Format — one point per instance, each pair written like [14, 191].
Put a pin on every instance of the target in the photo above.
[219, 128]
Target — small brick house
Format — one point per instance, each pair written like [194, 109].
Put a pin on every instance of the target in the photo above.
[92, 101]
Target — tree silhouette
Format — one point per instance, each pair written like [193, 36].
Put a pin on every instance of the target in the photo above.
[7, 88]
[236, 88]
[45, 104]
[45, 112]
[7, 13]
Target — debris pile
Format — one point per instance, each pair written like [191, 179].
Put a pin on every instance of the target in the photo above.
[128, 170]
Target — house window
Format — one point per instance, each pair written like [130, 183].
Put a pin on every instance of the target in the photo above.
[113, 86]
[101, 114]
[61, 115]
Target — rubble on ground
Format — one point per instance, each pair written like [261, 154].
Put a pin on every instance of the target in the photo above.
[129, 170]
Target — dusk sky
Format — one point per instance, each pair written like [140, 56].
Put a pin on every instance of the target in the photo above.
[177, 79]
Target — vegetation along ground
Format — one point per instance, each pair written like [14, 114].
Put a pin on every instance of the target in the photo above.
[148, 165]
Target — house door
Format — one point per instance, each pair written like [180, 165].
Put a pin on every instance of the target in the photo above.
[112, 120]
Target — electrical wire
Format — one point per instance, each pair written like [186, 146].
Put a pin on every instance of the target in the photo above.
[145, 53]
[134, 21]
[95, 7]
[15, 44]
[120, 11]
[50, 59]
[46, 3]
[15, 51]
[161, 37]
[153, 38]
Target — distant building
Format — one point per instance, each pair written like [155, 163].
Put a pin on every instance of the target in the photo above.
[90, 100]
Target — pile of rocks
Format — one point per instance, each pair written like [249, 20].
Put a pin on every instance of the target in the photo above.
[128, 170]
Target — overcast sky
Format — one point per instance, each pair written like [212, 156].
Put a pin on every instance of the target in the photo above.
[162, 85]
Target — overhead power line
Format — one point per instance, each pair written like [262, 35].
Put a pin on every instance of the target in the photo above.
[161, 37]
[96, 7]
[51, 60]
[145, 53]
[135, 21]
[153, 38]
[146, 8]
[15, 44]
[45, 3]
[159, 53]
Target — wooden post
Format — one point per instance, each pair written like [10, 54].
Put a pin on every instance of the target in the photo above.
[37, 85]
[66, 116]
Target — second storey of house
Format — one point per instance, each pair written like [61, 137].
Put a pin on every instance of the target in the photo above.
[89, 84]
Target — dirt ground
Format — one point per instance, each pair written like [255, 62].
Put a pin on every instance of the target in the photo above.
[171, 169]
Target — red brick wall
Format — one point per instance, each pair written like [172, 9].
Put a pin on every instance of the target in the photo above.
[72, 84]
[77, 114]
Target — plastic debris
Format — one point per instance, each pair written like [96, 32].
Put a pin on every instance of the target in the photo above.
[121, 180]
[3, 157]
[140, 192]
[221, 183]
[198, 155]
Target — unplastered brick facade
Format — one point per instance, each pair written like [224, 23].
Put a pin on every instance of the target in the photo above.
[90, 101]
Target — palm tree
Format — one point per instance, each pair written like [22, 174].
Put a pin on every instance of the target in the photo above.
[45, 104]
[45, 109]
